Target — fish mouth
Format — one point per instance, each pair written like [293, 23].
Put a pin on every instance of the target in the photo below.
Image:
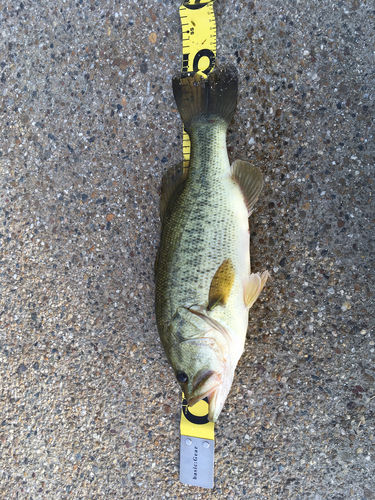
[204, 385]
[213, 386]
[214, 405]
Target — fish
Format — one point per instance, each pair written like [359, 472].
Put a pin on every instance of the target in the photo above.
[204, 287]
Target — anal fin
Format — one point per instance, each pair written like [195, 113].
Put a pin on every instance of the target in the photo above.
[253, 285]
[250, 180]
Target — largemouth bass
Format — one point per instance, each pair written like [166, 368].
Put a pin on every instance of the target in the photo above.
[204, 287]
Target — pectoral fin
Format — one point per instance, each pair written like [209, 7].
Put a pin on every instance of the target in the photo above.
[171, 182]
[250, 180]
[221, 285]
[253, 285]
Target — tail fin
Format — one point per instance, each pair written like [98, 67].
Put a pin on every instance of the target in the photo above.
[200, 98]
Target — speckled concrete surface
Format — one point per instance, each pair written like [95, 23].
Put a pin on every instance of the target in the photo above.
[89, 406]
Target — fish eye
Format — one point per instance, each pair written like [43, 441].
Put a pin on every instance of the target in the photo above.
[182, 377]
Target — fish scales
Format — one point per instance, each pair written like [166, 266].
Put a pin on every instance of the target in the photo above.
[203, 283]
[205, 225]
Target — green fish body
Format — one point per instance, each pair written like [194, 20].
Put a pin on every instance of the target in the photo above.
[204, 288]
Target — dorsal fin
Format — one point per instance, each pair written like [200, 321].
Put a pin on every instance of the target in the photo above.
[221, 285]
[250, 180]
[171, 181]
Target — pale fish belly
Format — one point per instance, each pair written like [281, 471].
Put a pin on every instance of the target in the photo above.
[235, 315]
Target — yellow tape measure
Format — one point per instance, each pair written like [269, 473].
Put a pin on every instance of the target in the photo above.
[198, 46]
[194, 420]
[197, 446]
[197, 433]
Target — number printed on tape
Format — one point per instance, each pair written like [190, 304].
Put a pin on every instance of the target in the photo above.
[198, 37]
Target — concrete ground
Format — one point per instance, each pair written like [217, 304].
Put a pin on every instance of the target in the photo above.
[89, 405]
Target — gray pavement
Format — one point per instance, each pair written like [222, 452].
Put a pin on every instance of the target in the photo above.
[89, 406]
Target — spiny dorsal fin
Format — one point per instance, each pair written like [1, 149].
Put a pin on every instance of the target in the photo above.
[253, 285]
[221, 285]
[250, 180]
[171, 181]
[156, 263]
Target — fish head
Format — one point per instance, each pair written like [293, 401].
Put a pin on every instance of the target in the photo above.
[201, 363]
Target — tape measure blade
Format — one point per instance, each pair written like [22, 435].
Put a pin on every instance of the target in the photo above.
[199, 37]
[186, 148]
[194, 420]
[195, 41]
[197, 433]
